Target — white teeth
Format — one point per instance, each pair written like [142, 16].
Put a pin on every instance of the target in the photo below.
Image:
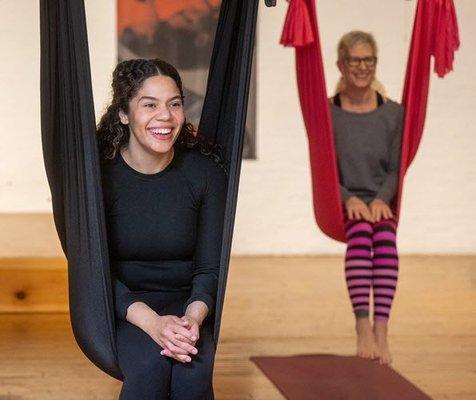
[161, 131]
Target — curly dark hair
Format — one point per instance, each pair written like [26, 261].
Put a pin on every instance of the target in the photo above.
[127, 79]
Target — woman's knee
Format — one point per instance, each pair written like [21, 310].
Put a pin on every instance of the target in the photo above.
[358, 230]
[146, 378]
[193, 381]
[139, 356]
[385, 225]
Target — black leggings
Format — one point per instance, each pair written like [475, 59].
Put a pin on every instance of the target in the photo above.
[150, 376]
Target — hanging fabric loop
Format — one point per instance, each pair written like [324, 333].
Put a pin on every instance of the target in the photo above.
[72, 162]
[435, 33]
[224, 111]
[72, 166]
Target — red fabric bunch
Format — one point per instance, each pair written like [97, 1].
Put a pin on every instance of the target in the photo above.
[297, 31]
[446, 39]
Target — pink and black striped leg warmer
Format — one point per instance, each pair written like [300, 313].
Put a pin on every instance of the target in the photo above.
[385, 267]
[358, 265]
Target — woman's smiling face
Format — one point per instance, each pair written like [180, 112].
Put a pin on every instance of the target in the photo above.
[361, 75]
[155, 116]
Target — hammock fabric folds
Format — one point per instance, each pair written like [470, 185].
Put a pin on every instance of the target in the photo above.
[435, 33]
[72, 162]
[224, 111]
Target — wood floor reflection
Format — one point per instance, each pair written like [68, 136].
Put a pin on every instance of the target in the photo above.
[276, 306]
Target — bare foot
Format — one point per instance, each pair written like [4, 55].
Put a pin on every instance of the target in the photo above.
[366, 345]
[380, 333]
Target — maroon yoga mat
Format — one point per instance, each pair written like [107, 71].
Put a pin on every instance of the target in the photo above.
[330, 377]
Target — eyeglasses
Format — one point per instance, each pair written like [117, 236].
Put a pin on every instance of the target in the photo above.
[355, 62]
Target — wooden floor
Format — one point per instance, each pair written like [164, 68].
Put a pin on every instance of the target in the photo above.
[277, 306]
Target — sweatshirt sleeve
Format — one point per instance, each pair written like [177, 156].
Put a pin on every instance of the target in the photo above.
[345, 194]
[389, 187]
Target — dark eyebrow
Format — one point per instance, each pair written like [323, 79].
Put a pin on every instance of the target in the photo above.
[147, 98]
[156, 99]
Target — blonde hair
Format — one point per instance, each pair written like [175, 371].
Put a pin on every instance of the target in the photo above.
[346, 42]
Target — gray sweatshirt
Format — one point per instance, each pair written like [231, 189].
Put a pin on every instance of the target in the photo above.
[368, 149]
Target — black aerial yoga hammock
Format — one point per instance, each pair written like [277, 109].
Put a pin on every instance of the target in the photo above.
[435, 34]
[72, 162]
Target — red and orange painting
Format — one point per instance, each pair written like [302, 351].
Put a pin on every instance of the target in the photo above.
[182, 33]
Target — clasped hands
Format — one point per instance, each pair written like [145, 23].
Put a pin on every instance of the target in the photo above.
[374, 212]
[177, 336]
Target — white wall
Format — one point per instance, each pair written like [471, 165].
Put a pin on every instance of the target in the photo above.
[22, 177]
[275, 207]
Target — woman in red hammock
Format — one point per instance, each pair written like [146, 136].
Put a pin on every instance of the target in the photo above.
[367, 130]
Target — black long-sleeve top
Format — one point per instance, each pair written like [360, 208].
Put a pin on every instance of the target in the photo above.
[165, 229]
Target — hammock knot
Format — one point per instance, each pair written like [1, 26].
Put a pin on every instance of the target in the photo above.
[297, 30]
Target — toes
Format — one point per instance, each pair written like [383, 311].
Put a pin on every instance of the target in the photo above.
[386, 360]
[362, 354]
[365, 354]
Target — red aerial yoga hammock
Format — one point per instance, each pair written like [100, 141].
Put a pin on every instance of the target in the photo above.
[435, 33]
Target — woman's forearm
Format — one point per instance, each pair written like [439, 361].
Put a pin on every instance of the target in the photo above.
[197, 310]
[141, 315]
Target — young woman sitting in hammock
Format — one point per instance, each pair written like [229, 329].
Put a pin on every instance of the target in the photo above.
[164, 201]
[367, 134]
